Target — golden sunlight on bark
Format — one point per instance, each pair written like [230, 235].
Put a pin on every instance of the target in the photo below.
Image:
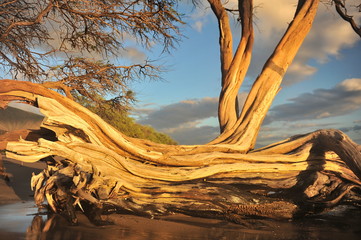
[93, 166]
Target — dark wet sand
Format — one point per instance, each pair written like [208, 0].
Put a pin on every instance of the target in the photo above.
[19, 220]
[19, 175]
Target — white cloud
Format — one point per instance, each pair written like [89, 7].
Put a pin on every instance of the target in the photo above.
[353, 84]
[185, 121]
[177, 114]
[198, 25]
[328, 36]
[297, 72]
[133, 54]
[194, 134]
[344, 98]
[279, 131]
[199, 16]
[188, 121]
[272, 17]
[192, 121]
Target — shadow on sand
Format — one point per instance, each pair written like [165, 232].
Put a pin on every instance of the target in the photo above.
[22, 221]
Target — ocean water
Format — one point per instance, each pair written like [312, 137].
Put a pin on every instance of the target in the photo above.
[23, 221]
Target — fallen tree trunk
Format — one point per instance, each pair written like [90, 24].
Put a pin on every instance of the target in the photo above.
[96, 168]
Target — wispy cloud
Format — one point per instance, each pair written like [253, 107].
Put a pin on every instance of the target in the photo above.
[198, 25]
[321, 108]
[328, 36]
[200, 15]
[131, 51]
[355, 128]
[191, 121]
[176, 114]
[278, 131]
[133, 54]
[194, 134]
[344, 98]
[184, 121]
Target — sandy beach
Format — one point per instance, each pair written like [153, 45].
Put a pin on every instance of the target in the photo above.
[19, 221]
[16, 197]
[19, 218]
[15, 181]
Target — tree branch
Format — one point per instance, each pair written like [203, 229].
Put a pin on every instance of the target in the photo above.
[102, 167]
[244, 132]
[225, 36]
[342, 11]
[36, 20]
[236, 67]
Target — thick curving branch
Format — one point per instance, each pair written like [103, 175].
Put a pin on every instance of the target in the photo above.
[234, 66]
[93, 167]
[245, 131]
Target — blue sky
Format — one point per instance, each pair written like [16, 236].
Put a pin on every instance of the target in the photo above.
[322, 88]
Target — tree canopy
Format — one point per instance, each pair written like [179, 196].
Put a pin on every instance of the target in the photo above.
[75, 47]
[63, 43]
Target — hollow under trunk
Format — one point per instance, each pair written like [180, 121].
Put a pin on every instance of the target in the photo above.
[96, 168]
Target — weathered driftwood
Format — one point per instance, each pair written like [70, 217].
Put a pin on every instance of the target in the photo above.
[94, 167]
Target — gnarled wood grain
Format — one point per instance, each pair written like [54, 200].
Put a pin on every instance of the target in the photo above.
[92, 165]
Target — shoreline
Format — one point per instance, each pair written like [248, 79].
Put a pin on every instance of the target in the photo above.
[15, 180]
[20, 221]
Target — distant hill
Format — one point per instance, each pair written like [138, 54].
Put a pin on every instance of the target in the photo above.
[12, 119]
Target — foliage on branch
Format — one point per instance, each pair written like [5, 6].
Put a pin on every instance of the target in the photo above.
[119, 118]
[93, 79]
[227, 178]
[35, 33]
